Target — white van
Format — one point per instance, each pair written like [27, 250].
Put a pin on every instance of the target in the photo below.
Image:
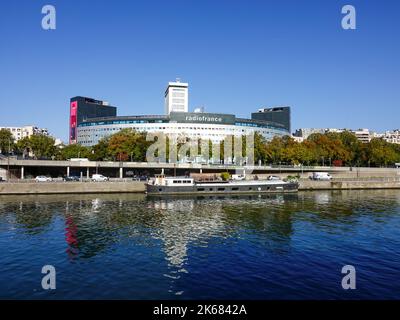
[321, 176]
[238, 177]
[99, 178]
[78, 159]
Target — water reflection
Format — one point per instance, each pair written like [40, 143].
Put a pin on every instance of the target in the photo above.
[183, 231]
[94, 223]
[181, 224]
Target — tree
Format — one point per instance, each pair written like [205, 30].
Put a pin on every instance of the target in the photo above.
[274, 150]
[100, 152]
[353, 147]
[128, 144]
[307, 153]
[42, 146]
[74, 151]
[381, 153]
[23, 146]
[260, 148]
[6, 141]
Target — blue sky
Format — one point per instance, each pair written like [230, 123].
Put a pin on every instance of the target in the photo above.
[236, 55]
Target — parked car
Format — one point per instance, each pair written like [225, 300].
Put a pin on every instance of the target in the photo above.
[99, 178]
[43, 179]
[273, 178]
[238, 177]
[321, 176]
[140, 178]
[71, 178]
[1, 179]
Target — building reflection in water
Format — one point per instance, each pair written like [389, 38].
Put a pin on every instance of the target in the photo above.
[71, 231]
[93, 224]
[323, 197]
[181, 224]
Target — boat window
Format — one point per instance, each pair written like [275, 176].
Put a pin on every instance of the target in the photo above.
[221, 189]
[200, 189]
[250, 188]
[235, 189]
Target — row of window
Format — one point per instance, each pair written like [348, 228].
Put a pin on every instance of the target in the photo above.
[241, 124]
[166, 128]
[181, 181]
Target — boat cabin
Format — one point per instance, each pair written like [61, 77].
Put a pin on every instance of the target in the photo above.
[162, 180]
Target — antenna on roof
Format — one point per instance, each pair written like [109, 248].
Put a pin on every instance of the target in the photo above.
[178, 79]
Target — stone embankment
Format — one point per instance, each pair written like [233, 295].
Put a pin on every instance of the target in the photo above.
[70, 187]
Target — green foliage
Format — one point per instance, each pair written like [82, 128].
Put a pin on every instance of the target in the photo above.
[383, 153]
[260, 148]
[74, 151]
[225, 176]
[42, 146]
[100, 151]
[23, 146]
[6, 141]
[293, 177]
[327, 148]
[128, 144]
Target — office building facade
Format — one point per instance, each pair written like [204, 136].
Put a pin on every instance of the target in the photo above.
[205, 126]
[279, 115]
[82, 109]
[25, 131]
[176, 97]
[177, 121]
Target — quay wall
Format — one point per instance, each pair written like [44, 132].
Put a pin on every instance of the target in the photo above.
[71, 187]
[348, 185]
[32, 188]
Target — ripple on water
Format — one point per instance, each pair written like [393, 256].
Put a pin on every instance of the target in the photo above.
[132, 247]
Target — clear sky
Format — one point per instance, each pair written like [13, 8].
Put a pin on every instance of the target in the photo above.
[236, 55]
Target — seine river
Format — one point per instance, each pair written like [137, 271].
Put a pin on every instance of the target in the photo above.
[129, 246]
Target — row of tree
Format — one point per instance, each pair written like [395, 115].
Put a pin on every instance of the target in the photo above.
[125, 145]
[129, 145]
[330, 149]
[41, 146]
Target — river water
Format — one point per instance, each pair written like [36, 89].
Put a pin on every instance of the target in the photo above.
[129, 246]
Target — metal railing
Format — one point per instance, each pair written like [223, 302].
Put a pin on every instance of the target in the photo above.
[368, 179]
[86, 180]
[356, 179]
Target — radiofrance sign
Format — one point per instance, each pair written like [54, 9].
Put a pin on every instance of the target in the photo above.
[188, 117]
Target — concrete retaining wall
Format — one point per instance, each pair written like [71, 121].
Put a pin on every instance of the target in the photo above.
[139, 187]
[354, 174]
[3, 174]
[71, 187]
[347, 185]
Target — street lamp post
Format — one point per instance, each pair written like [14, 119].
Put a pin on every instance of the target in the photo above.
[8, 160]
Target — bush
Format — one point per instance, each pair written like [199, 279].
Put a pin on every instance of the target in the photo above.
[293, 178]
[225, 176]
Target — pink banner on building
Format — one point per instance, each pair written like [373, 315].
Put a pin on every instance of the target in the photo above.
[72, 121]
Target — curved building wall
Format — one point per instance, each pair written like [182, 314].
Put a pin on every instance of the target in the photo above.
[89, 133]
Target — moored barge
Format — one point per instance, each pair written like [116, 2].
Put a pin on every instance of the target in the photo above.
[187, 185]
